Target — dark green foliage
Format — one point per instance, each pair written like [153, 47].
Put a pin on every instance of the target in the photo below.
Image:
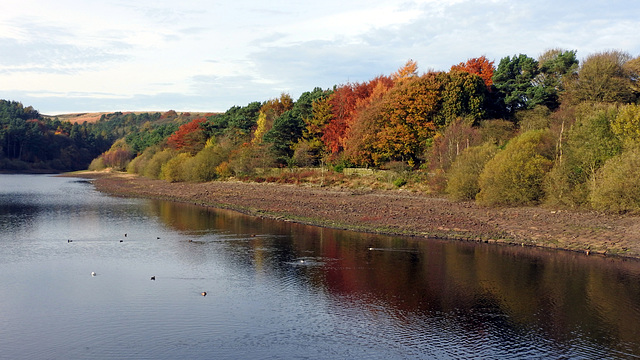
[29, 141]
[288, 128]
[463, 95]
[150, 135]
[238, 121]
[523, 84]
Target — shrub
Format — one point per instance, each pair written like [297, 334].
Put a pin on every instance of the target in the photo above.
[626, 124]
[515, 175]
[617, 184]
[590, 143]
[537, 118]
[400, 182]
[202, 167]
[462, 178]
[154, 166]
[97, 164]
[496, 131]
[174, 169]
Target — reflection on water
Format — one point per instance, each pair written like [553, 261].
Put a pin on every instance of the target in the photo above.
[283, 290]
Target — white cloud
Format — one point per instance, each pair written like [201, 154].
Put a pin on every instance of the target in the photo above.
[108, 55]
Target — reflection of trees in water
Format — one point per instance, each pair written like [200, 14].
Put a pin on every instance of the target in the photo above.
[560, 293]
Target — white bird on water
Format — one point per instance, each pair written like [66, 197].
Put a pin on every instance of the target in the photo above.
[93, 273]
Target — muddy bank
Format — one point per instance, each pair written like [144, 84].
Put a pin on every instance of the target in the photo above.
[396, 212]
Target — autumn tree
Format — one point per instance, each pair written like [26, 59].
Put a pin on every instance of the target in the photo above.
[480, 66]
[603, 77]
[269, 111]
[288, 128]
[399, 124]
[409, 70]
[345, 103]
[626, 124]
[190, 137]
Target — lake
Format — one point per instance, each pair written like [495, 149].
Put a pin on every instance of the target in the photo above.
[280, 290]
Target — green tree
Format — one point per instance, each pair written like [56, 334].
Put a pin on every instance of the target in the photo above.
[288, 128]
[514, 79]
[604, 78]
[590, 143]
[557, 67]
[617, 185]
[463, 96]
[515, 175]
[463, 177]
[626, 124]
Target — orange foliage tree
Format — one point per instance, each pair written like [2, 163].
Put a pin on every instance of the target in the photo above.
[480, 66]
[189, 137]
[345, 103]
[396, 127]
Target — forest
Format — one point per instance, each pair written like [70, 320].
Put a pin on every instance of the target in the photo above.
[548, 130]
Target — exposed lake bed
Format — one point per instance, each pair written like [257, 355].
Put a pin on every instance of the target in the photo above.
[397, 213]
[280, 289]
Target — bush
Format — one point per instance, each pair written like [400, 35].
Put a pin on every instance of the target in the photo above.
[590, 143]
[537, 118]
[202, 167]
[496, 131]
[174, 169]
[515, 175]
[400, 182]
[154, 166]
[462, 178]
[246, 160]
[617, 184]
[97, 164]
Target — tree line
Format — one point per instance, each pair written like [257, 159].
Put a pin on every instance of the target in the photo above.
[550, 129]
[32, 142]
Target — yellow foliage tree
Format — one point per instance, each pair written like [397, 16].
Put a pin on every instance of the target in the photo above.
[268, 113]
[409, 70]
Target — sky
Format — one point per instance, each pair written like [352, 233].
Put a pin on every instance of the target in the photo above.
[71, 56]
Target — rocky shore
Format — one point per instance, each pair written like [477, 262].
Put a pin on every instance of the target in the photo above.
[396, 212]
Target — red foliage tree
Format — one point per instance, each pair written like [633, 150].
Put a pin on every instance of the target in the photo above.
[480, 66]
[189, 137]
[345, 103]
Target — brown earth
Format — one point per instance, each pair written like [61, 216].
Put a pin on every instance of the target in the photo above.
[396, 212]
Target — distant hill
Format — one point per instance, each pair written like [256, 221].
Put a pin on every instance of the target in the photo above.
[92, 117]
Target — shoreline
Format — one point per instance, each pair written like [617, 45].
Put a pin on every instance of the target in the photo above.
[394, 212]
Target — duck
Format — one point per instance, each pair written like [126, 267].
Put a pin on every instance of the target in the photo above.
[93, 273]
[153, 277]
[204, 293]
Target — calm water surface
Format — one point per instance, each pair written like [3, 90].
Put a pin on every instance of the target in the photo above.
[277, 290]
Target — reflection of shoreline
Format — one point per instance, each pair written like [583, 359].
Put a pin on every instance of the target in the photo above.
[430, 286]
[396, 213]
